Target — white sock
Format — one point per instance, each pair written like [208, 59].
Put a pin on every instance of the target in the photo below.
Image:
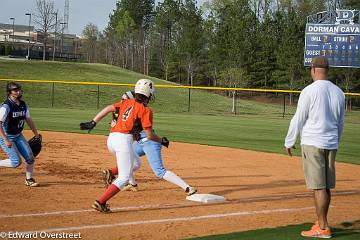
[5, 163]
[136, 166]
[132, 180]
[175, 179]
[29, 170]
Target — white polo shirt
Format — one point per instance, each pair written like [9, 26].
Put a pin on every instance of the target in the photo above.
[319, 117]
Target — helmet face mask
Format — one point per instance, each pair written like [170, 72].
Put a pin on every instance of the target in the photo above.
[14, 87]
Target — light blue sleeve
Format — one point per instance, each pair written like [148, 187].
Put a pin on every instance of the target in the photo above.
[4, 111]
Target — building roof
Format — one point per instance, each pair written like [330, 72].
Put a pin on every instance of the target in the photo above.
[18, 28]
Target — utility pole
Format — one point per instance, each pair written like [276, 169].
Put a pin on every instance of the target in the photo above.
[13, 19]
[66, 16]
[62, 36]
[6, 32]
[5, 42]
[54, 48]
[28, 48]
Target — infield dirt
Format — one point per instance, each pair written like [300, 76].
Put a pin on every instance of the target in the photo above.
[262, 190]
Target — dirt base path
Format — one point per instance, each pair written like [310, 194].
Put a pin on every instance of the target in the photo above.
[262, 190]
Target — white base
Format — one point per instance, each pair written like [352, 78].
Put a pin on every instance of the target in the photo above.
[206, 198]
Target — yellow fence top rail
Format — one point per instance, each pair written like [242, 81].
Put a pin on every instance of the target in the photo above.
[162, 86]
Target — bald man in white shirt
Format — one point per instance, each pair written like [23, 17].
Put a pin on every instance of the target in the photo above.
[319, 121]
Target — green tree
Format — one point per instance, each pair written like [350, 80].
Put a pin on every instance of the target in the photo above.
[91, 35]
[130, 39]
[290, 52]
[234, 77]
[124, 33]
[351, 4]
[163, 36]
[266, 41]
[190, 39]
[308, 7]
[232, 37]
[213, 59]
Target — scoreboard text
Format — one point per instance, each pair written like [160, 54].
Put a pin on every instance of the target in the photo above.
[339, 43]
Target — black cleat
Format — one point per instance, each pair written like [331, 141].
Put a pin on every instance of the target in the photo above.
[190, 191]
[104, 208]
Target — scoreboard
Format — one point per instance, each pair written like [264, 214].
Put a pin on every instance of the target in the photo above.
[339, 43]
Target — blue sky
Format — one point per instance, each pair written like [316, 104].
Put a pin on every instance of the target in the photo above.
[81, 12]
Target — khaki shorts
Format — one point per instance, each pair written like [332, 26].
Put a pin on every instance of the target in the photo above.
[319, 167]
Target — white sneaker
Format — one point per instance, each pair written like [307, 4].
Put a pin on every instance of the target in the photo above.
[130, 187]
[31, 182]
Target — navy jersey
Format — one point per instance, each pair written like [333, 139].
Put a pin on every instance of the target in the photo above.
[13, 116]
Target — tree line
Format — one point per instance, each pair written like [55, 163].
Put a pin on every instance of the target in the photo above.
[227, 43]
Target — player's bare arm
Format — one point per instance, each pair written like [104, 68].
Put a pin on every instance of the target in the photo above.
[108, 109]
[151, 135]
[32, 126]
[91, 124]
[289, 151]
[154, 137]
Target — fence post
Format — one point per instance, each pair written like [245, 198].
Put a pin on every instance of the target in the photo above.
[284, 103]
[189, 101]
[98, 96]
[234, 102]
[52, 94]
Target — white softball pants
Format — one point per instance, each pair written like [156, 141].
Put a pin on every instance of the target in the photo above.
[120, 145]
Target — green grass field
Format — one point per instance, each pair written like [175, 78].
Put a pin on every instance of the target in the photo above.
[348, 231]
[90, 97]
[257, 126]
[246, 132]
[81, 72]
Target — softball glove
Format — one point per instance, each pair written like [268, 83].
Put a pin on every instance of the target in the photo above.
[35, 144]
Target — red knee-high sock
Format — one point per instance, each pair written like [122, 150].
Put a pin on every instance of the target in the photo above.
[115, 171]
[109, 193]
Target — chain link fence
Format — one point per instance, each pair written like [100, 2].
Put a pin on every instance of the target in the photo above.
[168, 99]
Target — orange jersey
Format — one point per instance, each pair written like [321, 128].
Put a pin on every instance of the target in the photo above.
[133, 117]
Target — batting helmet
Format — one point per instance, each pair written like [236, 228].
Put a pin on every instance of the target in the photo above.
[12, 86]
[145, 87]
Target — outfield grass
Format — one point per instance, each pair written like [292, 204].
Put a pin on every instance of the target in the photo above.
[291, 232]
[257, 126]
[246, 132]
[91, 97]
[81, 72]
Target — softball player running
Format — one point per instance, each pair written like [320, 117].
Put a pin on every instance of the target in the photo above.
[134, 115]
[152, 149]
[13, 115]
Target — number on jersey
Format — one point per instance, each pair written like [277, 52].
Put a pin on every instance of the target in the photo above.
[21, 123]
[127, 113]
